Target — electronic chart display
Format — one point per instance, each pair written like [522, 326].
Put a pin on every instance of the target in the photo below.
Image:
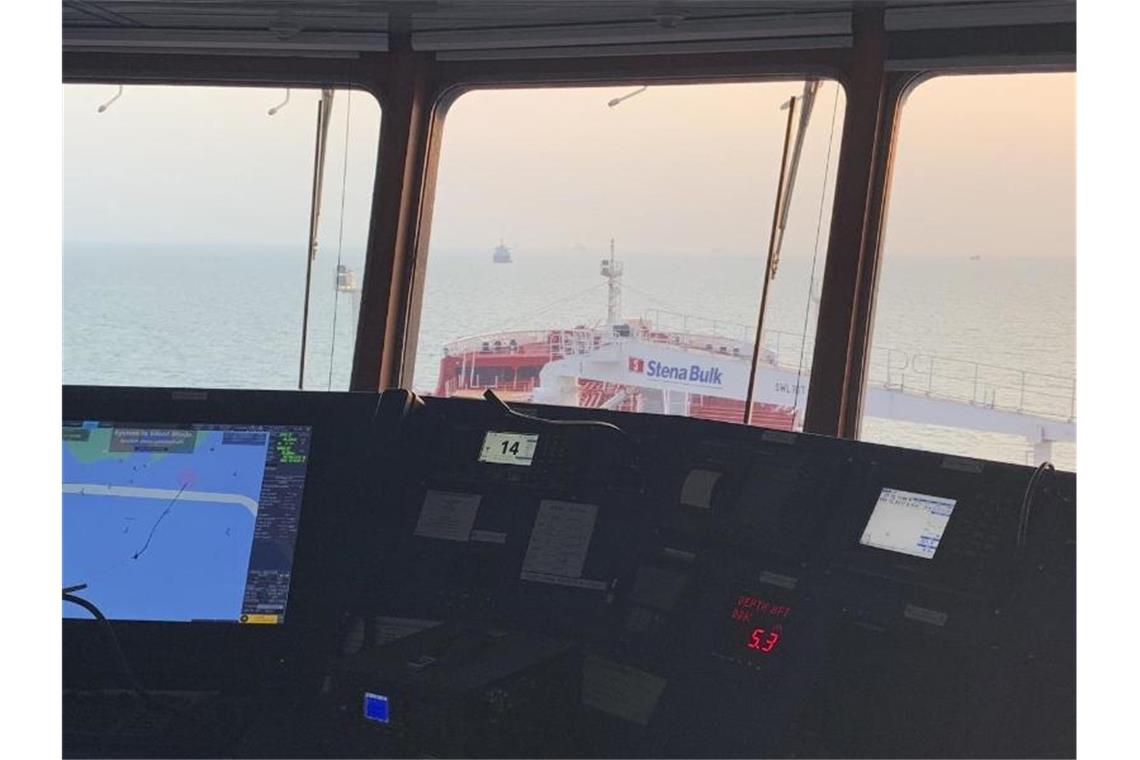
[182, 523]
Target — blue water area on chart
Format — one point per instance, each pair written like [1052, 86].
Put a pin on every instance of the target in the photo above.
[161, 535]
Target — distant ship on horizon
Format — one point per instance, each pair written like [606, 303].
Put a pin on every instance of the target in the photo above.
[621, 363]
[502, 254]
[345, 279]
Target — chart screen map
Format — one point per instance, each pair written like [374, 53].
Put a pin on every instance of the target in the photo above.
[182, 522]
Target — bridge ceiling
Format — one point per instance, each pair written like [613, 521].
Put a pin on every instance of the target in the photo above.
[287, 26]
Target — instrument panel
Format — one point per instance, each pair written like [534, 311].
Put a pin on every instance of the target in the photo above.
[678, 587]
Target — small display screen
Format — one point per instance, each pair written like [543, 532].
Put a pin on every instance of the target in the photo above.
[754, 630]
[908, 523]
[509, 448]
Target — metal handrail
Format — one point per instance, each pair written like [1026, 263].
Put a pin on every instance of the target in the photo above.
[933, 375]
[1012, 389]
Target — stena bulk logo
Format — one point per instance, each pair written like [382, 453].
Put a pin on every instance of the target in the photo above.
[693, 373]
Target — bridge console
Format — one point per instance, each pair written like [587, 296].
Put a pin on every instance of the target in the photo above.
[550, 581]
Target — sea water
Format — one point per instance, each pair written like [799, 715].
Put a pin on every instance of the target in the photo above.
[992, 329]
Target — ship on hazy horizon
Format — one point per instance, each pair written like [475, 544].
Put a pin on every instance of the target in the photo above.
[502, 254]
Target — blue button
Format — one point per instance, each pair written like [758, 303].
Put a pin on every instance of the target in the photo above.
[375, 707]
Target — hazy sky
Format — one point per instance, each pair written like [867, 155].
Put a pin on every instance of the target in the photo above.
[687, 169]
[984, 165]
[201, 165]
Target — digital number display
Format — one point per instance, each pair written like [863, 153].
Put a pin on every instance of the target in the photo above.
[509, 448]
[755, 627]
[908, 523]
[764, 641]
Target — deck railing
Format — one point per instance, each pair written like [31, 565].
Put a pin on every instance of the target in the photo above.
[917, 372]
[914, 372]
[976, 383]
[483, 344]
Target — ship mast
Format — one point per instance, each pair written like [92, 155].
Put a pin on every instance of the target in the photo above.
[612, 270]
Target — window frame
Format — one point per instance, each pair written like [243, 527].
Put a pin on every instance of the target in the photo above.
[498, 79]
[370, 74]
[900, 84]
[409, 86]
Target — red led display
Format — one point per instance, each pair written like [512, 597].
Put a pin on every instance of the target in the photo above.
[759, 623]
[764, 641]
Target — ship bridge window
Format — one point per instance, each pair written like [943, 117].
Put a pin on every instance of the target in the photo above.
[186, 234]
[563, 216]
[973, 342]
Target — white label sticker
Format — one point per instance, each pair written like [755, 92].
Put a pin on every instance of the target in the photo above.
[778, 436]
[775, 579]
[508, 448]
[560, 538]
[923, 615]
[447, 515]
[620, 690]
[962, 465]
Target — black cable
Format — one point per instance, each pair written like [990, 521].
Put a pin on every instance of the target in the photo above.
[1027, 502]
[634, 447]
[340, 236]
[815, 249]
[492, 397]
[124, 666]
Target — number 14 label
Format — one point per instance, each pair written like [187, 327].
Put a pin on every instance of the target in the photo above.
[508, 448]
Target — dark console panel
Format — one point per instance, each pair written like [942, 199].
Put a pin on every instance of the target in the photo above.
[725, 591]
[177, 505]
[545, 581]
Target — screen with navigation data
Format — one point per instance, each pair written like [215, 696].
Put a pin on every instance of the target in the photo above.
[182, 523]
[908, 523]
